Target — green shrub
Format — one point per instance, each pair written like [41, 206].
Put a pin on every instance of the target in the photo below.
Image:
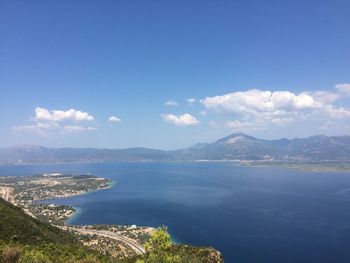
[158, 248]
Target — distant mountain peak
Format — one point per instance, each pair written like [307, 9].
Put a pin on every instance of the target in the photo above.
[237, 146]
[235, 137]
[234, 140]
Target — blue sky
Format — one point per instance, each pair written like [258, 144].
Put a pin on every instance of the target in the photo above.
[267, 68]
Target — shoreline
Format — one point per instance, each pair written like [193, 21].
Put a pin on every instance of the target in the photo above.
[78, 210]
[307, 166]
[300, 167]
[36, 194]
[37, 199]
[75, 214]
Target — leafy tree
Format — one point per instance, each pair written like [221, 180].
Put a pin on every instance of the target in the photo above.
[158, 248]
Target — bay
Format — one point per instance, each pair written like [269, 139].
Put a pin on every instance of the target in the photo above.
[249, 214]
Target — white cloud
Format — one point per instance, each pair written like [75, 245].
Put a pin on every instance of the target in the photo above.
[258, 109]
[191, 101]
[73, 128]
[343, 89]
[52, 127]
[182, 120]
[42, 114]
[337, 113]
[77, 128]
[281, 121]
[255, 101]
[325, 97]
[38, 127]
[48, 122]
[171, 103]
[114, 119]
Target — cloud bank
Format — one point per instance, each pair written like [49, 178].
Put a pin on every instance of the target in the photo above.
[259, 109]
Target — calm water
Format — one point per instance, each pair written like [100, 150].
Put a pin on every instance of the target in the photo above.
[250, 215]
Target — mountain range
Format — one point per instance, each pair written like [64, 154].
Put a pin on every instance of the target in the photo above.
[235, 147]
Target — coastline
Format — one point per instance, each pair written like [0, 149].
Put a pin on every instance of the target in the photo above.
[306, 166]
[74, 215]
[36, 194]
[78, 210]
[301, 167]
[37, 200]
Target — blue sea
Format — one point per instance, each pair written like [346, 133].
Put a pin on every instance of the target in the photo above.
[249, 214]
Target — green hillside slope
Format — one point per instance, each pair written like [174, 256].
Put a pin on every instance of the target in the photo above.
[38, 241]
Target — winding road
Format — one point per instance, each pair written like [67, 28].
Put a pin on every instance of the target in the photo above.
[134, 245]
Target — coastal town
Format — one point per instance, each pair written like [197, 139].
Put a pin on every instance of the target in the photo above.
[27, 192]
[33, 195]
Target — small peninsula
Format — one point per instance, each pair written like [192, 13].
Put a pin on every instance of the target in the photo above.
[120, 242]
[29, 192]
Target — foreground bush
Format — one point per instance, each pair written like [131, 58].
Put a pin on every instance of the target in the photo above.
[11, 254]
[158, 248]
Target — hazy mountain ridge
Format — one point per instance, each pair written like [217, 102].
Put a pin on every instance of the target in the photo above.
[237, 146]
[242, 147]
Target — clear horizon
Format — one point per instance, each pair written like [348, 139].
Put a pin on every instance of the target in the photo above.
[168, 75]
